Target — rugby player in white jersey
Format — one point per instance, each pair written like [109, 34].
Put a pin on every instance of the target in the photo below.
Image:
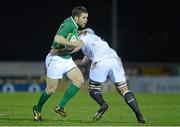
[105, 62]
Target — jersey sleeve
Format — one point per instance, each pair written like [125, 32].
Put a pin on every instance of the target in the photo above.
[64, 29]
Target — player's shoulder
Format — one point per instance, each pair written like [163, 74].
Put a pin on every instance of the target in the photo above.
[68, 21]
[83, 37]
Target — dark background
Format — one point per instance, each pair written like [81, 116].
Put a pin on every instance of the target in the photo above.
[148, 31]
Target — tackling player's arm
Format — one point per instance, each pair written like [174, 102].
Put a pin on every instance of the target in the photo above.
[85, 60]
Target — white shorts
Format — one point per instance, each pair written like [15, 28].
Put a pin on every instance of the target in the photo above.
[57, 66]
[111, 67]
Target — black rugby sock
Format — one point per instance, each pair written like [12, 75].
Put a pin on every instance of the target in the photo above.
[97, 96]
[131, 101]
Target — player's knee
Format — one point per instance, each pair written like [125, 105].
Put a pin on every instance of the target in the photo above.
[122, 87]
[81, 81]
[50, 90]
[78, 83]
[51, 85]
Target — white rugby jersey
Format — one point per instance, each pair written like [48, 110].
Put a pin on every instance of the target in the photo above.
[95, 48]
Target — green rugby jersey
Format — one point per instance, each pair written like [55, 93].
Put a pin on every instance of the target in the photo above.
[69, 30]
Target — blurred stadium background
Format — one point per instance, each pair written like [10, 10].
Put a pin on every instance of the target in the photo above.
[142, 77]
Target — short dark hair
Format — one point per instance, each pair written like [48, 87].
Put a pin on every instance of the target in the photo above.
[78, 10]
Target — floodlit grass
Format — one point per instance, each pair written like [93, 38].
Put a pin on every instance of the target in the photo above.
[158, 109]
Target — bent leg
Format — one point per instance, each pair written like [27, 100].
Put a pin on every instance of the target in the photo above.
[77, 79]
[50, 89]
[130, 100]
[95, 93]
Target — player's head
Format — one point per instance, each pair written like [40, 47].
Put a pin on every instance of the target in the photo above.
[80, 15]
[86, 31]
[89, 30]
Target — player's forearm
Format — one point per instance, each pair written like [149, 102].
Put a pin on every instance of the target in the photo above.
[85, 60]
[63, 41]
[54, 51]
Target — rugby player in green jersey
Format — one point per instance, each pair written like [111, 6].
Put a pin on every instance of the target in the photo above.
[59, 65]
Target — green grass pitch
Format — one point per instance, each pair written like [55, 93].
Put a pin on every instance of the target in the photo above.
[158, 109]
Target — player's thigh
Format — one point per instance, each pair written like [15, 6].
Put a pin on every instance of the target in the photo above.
[117, 73]
[55, 67]
[99, 71]
[75, 75]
